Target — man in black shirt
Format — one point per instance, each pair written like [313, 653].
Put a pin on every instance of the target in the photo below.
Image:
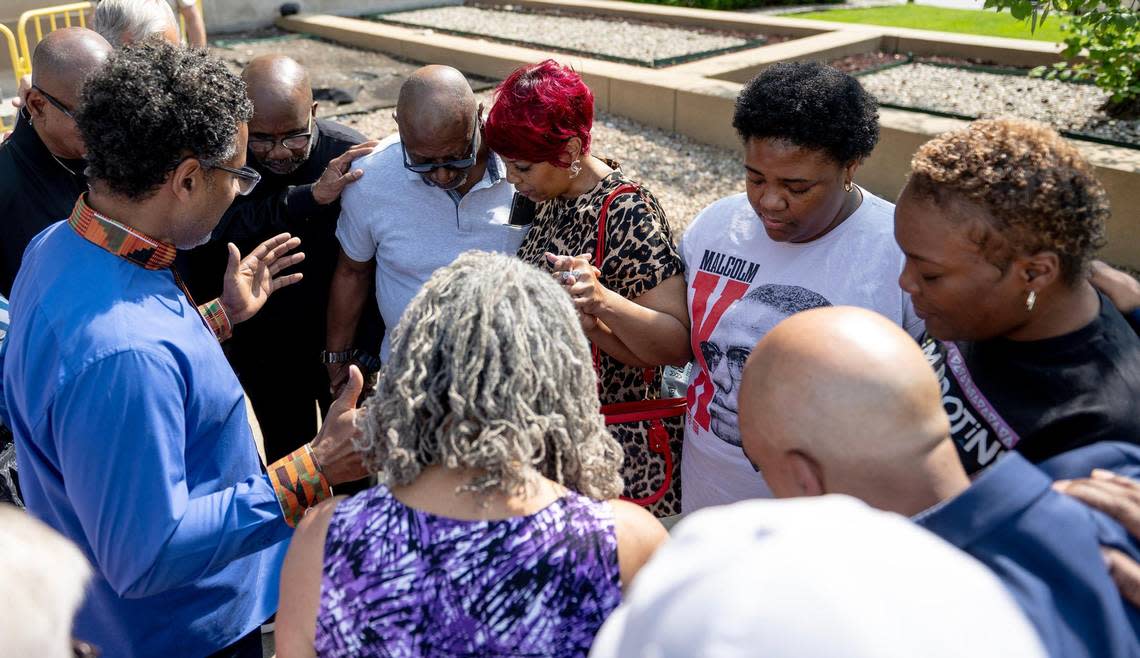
[41, 165]
[305, 163]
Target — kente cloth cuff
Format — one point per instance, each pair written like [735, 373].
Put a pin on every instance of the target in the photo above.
[217, 319]
[299, 483]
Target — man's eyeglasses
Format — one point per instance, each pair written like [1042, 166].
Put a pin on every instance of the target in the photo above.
[54, 101]
[247, 177]
[262, 145]
[736, 358]
[461, 164]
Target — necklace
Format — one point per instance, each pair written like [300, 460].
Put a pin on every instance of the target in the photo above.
[60, 163]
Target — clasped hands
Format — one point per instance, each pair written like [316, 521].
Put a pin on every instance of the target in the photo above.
[578, 276]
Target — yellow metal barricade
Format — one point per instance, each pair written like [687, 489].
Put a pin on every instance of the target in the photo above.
[182, 22]
[75, 14]
[7, 123]
[35, 23]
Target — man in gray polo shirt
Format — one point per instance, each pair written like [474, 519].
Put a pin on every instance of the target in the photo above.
[425, 198]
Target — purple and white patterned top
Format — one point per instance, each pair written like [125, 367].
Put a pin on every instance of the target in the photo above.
[400, 582]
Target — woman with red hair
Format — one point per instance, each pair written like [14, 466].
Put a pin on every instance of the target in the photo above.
[540, 126]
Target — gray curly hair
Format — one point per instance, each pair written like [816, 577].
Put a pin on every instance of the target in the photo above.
[490, 370]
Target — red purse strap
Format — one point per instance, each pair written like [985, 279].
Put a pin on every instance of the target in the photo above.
[599, 258]
[603, 215]
[653, 411]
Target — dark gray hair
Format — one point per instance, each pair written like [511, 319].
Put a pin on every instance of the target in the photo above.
[128, 21]
[787, 299]
[152, 105]
[490, 370]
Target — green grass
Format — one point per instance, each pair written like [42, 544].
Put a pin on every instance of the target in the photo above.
[965, 21]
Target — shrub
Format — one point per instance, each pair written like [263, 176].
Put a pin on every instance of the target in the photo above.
[1103, 46]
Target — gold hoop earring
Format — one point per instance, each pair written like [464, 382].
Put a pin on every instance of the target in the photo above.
[575, 168]
[1031, 300]
[847, 187]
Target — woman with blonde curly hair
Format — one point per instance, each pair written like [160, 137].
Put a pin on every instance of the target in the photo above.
[999, 222]
[493, 530]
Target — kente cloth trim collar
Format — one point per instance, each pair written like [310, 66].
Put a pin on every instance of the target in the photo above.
[121, 240]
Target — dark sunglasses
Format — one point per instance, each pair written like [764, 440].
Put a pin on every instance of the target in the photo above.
[461, 164]
[54, 101]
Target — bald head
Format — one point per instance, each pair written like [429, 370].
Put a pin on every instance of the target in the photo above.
[64, 58]
[841, 400]
[275, 83]
[435, 100]
[61, 62]
[283, 107]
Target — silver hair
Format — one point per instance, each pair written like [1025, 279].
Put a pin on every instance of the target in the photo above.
[49, 574]
[490, 370]
[127, 21]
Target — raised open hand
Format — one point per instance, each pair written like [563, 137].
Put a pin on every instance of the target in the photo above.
[251, 280]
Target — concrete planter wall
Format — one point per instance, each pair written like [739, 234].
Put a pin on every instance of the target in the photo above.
[224, 16]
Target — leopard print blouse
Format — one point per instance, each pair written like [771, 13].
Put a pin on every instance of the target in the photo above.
[640, 254]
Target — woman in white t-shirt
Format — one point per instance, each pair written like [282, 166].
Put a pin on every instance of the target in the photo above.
[802, 235]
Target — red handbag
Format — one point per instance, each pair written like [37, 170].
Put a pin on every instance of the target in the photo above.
[653, 411]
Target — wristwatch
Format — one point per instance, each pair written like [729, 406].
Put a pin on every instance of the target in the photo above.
[336, 357]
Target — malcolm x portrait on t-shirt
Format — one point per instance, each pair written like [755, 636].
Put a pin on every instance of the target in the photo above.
[726, 350]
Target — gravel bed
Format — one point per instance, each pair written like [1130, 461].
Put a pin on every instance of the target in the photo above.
[609, 37]
[1066, 106]
[866, 61]
[684, 175]
[365, 80]
[861, 62]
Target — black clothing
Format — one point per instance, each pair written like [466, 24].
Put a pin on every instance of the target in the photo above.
[248, 646]
[36, 191]
[276, 354]
[1042, 397]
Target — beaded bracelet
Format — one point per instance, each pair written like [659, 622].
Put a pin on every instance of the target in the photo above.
[299, 483]
[216, 318]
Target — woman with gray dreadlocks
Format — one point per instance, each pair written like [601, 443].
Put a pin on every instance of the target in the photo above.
[494, 528]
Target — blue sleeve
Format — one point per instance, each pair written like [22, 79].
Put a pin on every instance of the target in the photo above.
[122, 455]
[1121, 458]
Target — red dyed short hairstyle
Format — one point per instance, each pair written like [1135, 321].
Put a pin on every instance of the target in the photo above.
[537, 109]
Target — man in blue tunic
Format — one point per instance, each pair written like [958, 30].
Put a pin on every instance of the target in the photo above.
[841, 400]
[130, 427]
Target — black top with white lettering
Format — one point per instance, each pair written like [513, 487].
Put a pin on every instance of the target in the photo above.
[1042, 397]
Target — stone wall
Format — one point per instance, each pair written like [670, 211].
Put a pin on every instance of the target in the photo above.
[228, 16]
